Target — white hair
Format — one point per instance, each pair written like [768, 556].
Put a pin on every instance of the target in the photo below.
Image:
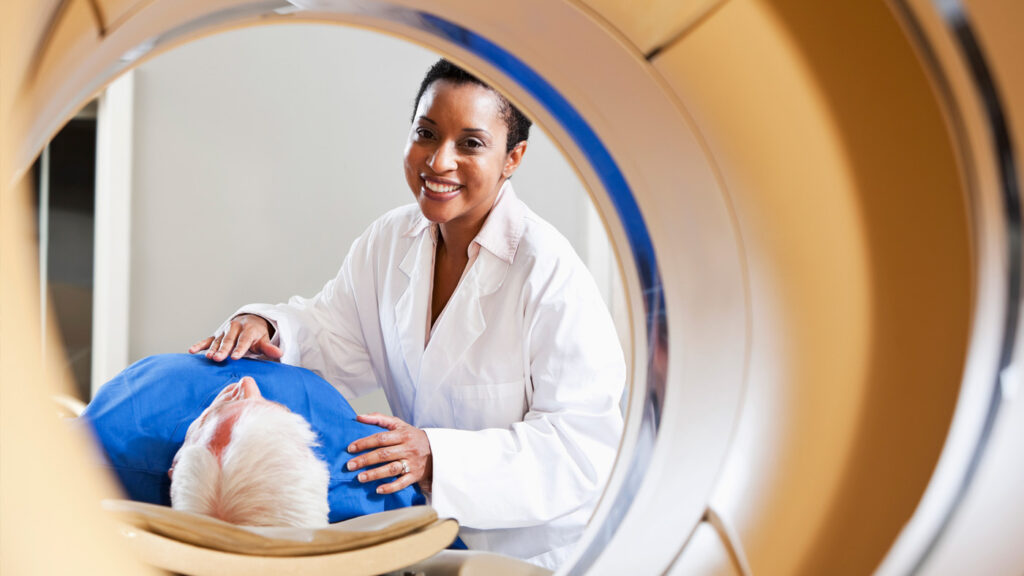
[268, 474]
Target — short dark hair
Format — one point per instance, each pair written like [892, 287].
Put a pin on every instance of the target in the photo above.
[517, 123]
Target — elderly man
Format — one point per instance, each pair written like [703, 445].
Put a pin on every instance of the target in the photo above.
[250, 442]
[250, 461]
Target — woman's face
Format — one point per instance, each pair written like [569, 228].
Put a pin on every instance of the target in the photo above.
[455, 160]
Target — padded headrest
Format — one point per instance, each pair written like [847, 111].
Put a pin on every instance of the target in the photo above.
[208, 532]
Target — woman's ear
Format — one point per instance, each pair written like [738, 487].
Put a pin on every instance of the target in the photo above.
[513, 159]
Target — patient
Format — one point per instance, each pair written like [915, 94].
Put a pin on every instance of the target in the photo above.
[250, 461]
[247, 441]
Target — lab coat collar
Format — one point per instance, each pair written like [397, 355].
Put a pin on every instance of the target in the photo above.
[500, 233]
[411, 306]
[503, 228]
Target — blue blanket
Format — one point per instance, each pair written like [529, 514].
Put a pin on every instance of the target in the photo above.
[141, 416]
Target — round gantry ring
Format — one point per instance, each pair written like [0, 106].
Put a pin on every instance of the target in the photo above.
[816, 211]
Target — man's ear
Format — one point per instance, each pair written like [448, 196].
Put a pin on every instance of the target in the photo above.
[513, 159]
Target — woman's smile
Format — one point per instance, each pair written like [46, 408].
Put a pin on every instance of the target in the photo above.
[440, 189]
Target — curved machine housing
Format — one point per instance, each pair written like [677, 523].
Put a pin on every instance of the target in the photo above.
[816, 209]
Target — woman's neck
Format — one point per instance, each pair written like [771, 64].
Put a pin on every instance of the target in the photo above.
[457, 234]
[456, 239]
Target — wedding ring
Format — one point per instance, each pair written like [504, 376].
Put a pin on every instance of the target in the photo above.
[405, 467]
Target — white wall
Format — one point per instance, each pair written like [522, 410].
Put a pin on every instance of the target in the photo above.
[260, 154]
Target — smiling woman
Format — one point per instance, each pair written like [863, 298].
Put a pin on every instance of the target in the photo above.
[465, 304]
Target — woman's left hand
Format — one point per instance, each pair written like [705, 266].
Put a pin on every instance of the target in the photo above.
[402, 445]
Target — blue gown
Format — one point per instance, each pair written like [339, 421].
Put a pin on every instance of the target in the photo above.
[141, 416]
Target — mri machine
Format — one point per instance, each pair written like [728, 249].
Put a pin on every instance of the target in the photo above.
[816, 210]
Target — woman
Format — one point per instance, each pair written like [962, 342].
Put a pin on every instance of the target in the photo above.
[496, 353]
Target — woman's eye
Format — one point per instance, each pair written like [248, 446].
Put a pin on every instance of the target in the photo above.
[473, 143]
[424, 133]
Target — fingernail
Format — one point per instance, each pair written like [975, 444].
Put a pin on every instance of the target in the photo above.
[380, 490]
[351, 465]
[351, 448]
[362, 477]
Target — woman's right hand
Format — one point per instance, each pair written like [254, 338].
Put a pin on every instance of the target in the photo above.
[246, 333]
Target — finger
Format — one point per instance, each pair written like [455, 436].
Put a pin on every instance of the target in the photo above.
[381, 455]
[400, 483]
[378, 419]
[269, 350]
[389, 470]
[212, 350]
[228, 342]
[201, 345]
[375, 441]
[246, 342]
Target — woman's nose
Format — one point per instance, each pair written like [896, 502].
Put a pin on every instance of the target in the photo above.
[443, 159]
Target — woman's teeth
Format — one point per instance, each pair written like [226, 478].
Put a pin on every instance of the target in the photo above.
[440, 188]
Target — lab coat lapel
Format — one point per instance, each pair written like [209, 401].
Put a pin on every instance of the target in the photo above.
[411, 307]
[460, 325]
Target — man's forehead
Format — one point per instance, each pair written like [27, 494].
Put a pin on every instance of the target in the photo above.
[224, 405]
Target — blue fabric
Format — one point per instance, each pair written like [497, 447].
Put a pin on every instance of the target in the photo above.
[141, 416]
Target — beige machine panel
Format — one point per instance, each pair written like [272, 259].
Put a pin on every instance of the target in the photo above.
[1000, 24]
[75, 31]
[39, 43]
[114, 12]
[650, 24]
[706, 554]
[50, 521]
[26, 26]
[838, 162]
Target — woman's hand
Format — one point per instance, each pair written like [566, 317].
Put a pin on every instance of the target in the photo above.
[402, 445]
[246, 333]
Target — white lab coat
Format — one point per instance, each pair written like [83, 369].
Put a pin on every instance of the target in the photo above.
[518, 388]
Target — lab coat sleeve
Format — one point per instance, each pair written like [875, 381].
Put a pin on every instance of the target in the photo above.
[324, 333]
[558, 458]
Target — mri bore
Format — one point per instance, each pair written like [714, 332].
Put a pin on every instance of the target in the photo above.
[826, 252]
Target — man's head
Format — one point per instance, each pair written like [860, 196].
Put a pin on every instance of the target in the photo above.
[250, 461]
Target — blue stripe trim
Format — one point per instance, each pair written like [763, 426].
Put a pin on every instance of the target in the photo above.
[639, 242]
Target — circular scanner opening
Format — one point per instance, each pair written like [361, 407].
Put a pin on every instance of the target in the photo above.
[683, 413]
[647, 299]
[593, 148]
